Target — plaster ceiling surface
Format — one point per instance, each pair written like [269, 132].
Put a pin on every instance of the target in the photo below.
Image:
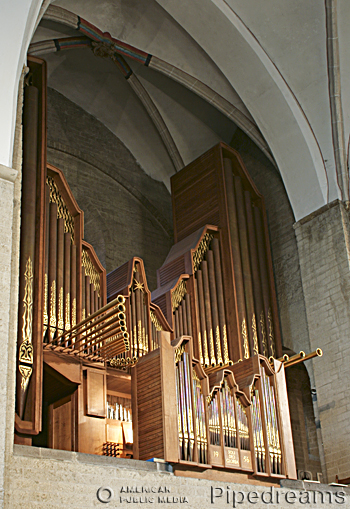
[145, 25]
[48, 30]
[98, 87]
[293, 34]
[194, 123]
[276, 105]
[191, 136]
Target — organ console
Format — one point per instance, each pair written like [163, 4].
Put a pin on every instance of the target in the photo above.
[192, 373]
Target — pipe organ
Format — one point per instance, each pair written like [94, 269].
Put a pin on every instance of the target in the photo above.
[216, 189]
[228, 419]
[182, 374]
[194, 303]
[143, 318]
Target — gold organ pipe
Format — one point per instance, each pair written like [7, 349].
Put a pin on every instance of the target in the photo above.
[201, 306]
[103, 329]
[117, 301]
[284, 358]
[208, 319]
[134, 324]
[296, 359]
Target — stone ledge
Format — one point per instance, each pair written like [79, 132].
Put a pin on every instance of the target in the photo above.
[88, 459]
[7, 173]
[317, 212]
[313, 486]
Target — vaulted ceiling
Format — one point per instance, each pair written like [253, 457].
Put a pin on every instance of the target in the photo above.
[180, 76]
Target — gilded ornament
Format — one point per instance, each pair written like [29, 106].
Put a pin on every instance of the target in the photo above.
[206, 354]
[139, 286]
[179, 352]
[60, 321]
[200, 348]
[74, 312]
[26, 352]
[178, 294]
[201, 250]
[255, 336]
[245, 339]
[45, 312]
[155, 321]
[226, 356]
[53, 322]
[62, 210]
[67, 313]
[28, 303]
[271, 334]
[218, 344]
[211, 347]
[263, 333]
[91, 271]
[26, 372]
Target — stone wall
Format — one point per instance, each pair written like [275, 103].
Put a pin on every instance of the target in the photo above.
[127, 213]
[41, 478]
[324, 252]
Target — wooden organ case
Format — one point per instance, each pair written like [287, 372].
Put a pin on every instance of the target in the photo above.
[216, 289]
[182, 374]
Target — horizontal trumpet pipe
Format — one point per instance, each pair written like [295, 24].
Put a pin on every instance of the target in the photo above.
[120, 300]
[110, 344]
[94, 330]
[101, 338]
[284, 358]
[111, 331]
[89, 325]
[296, 357]
[292, 362]
[114, 350]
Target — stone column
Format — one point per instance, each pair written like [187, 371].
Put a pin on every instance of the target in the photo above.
[7, 298]
[10, 208]
[324, 254]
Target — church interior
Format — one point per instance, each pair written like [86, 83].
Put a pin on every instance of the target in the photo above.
[183, 251]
